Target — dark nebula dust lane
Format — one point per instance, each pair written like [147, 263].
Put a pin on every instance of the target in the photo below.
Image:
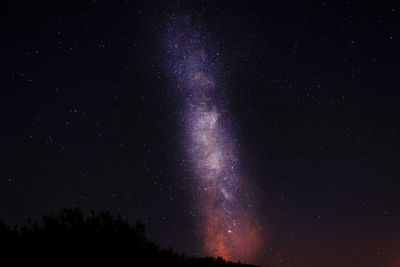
[228, 226]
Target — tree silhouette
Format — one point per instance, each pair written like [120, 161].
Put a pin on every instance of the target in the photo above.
[71, 238]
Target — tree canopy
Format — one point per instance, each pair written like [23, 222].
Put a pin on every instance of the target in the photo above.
[71, 238]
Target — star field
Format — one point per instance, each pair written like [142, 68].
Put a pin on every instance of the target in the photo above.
[229, 228]
[113, 106]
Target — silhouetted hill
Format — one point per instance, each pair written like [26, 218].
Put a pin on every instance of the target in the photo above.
[71, 238]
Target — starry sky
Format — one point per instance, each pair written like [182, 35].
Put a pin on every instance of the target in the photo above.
[209, 121]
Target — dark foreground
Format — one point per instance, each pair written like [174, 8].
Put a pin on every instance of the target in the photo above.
[70, 238]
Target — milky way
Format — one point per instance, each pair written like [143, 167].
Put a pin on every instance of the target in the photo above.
[227, 225]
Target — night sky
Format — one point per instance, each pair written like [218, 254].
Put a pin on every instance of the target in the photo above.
[266, 131]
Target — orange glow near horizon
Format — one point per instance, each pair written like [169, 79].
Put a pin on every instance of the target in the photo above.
[238, 243]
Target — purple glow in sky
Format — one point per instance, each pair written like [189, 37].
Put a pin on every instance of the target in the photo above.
[227, 223]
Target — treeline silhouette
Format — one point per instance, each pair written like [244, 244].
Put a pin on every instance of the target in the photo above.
[71, 238]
